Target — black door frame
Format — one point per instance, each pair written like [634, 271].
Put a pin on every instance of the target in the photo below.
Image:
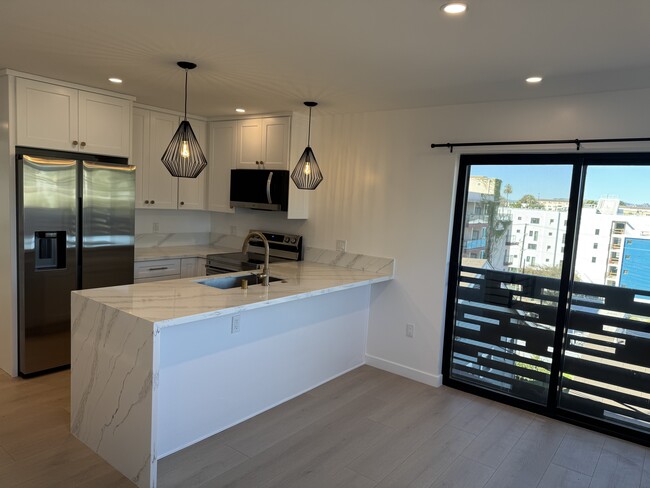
[580, 163]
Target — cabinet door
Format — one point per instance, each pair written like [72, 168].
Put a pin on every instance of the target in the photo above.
[188, 267]
[160, 187]
[200, 266]
[140, 154]
[222, 158]
[249, 143]
[46, 115]
[275, 142]
[104, 124]
[191, 191]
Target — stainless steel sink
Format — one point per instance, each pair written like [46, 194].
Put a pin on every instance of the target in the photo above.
[227, 282]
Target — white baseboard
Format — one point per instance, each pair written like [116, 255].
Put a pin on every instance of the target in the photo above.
[406, 371]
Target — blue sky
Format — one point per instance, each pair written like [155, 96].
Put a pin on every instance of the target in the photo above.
[629, 183]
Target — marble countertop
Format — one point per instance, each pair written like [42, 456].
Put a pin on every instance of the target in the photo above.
[175, 302]
[175, 252]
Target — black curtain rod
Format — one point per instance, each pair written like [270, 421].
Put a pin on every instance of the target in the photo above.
[577, 142]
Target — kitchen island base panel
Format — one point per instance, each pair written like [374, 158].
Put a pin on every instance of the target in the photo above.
[211, 379]
[138, 389]
[113, 359]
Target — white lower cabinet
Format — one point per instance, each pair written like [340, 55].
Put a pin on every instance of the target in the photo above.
[200, 266]
[191, 267]
[168, 269]
[188, 267]
[158, 270]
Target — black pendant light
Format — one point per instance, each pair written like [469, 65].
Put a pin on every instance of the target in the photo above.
[306, 175]
[183, 157]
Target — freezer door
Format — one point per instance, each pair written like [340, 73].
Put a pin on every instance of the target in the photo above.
[108, 224]
[47, 260]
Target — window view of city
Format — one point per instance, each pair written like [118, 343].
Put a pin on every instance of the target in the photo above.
[513, 246]
[527, 234]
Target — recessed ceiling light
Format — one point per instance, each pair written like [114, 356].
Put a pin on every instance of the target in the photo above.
[115, 80]
[240, 110]
[454, 8]
[533, 79]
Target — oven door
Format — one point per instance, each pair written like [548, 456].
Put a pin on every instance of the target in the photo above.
[214, 270]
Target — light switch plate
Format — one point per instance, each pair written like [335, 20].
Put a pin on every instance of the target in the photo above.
[341, 245]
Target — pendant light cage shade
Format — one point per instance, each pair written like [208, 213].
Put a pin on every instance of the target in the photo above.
[306, 175]
[183, 157]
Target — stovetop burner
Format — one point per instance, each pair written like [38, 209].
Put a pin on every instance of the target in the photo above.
[283, 247]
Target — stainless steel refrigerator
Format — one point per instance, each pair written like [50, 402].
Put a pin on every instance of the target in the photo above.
[75, 228]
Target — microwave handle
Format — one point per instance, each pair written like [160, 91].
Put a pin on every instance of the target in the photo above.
[268, 187]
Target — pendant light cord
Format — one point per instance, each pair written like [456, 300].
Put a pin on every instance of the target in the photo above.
[309, 130]
[185, 116]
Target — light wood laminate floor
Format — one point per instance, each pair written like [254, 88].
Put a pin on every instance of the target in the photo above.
[367, 428]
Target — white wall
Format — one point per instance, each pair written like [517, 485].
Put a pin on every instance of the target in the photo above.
[389, 194]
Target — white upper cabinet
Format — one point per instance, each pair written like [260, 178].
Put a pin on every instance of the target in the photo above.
[56, 117]
[222, 157]
[191, 191]
[140, 154]
[104, 124]
[160, 187]
[275, 142]
[155, 187]
[263, 143]
[249, 143]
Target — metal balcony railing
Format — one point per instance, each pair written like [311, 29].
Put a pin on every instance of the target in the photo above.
[505, 324]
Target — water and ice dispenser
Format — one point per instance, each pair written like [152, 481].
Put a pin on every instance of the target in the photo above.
[49, 249]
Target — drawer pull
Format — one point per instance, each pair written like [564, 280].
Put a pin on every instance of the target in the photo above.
[158, 269]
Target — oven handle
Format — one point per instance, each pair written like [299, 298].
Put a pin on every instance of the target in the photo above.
[268, 187]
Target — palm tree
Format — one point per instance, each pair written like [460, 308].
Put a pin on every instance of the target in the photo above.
[507, 190]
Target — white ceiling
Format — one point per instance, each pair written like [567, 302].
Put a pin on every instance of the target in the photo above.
[349, 55]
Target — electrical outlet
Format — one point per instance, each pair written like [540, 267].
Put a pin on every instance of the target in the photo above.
[235, 324]
[409, 330]
[156, 226]
[341, 245]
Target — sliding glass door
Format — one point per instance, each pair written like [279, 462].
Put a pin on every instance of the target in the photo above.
[606, 361]
[549, 291]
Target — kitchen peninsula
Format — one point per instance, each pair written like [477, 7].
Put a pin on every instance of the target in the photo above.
[159, 366]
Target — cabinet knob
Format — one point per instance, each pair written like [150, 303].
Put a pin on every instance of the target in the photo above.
[146, 202]
[83, 144]
[257, 162]
[152, 202]
[182, 203]
[74, 143]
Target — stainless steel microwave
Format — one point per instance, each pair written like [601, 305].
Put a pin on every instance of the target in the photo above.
[261, 189]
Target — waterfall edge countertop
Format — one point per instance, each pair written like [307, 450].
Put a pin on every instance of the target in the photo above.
[177, 252]
[175, 302]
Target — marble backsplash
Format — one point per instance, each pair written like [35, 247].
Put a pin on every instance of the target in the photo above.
[312, 254]
[350, 260]
[187, 239]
